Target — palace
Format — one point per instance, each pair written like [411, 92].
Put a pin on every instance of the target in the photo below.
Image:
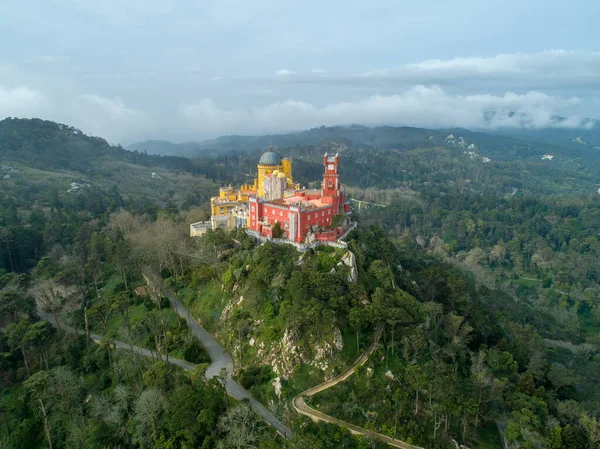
[274, 207]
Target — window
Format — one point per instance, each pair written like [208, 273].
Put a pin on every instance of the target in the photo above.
[330, 183]
[222, 210]
[252, 208]
[280, 214]
[323, 214]
[328, 211]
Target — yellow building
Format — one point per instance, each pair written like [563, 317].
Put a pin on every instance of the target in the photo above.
[270, 162]
[229, 210]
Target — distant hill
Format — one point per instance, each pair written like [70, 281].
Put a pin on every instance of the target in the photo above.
[503, 144]
[442, 160]
[165, 148]
[569, 137]
[37, 155]
[355, 135]
[49, 145]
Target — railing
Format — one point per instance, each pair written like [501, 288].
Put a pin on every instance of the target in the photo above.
[302, 246]
[199, 228]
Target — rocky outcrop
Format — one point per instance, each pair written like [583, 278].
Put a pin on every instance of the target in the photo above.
[325, 350]
[229, 307]
[285, 355]
[277, 385]
[349, 259]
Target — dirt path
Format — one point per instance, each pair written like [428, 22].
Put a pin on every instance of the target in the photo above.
[119, 344]
[302, 408]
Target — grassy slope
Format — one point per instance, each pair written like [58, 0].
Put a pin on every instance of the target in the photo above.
[206, 303]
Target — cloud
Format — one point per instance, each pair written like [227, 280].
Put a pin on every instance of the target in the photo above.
[21, 101]
[520, 90]
[93, 114]
[284, 72]
[106, 117]
[549, 69]
[563, 61]
[428, 106]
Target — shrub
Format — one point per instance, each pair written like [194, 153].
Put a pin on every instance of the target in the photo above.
[255, 375]
[193, 352]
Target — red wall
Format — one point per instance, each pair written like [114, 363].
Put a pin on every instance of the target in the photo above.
[321, 217]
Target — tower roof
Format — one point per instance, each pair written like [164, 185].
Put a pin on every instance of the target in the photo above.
[270, 158]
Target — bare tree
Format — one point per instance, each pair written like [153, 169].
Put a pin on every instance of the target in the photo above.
[148, 409]
[243, 428]
[37, 387]
[65, 386]
[54, 298]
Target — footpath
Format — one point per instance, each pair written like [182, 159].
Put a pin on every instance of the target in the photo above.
[302, 408]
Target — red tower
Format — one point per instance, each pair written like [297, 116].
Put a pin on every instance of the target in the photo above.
[331, 182]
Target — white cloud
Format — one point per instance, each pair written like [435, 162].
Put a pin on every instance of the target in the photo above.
[105, 117]
[284, 72]
[558, 67]
[516, 62]
[428, 106]
[21, 101]
[522, 90]
[93, 114]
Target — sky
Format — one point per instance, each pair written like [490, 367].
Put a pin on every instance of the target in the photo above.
[130, 70]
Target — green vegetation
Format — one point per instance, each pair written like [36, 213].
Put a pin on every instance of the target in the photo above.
[484, 284]
[205, 303]
[89, 396]
[337, 220]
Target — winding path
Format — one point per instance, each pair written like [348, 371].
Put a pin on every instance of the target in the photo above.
[221, 359]
[302, 408]
[118, 344]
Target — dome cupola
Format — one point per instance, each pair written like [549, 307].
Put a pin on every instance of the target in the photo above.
[270, 158]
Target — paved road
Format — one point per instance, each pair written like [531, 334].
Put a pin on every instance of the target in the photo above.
[119, 344]
[302, 408]
[219, 357]
[223, 360]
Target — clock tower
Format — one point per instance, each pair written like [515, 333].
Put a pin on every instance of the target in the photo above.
[331, 183]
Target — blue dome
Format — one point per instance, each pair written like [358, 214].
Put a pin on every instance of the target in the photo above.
[270, 158]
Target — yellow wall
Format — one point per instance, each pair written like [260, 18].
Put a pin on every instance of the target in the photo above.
[262, 171]
[220, 209]
[286, 168]
[225, 192]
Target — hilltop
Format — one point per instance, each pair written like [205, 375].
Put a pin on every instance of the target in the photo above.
[40, 156]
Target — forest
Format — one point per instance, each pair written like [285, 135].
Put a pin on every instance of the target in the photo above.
[485, 299]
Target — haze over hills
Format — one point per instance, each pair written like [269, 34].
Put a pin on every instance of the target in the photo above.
[503, 143]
